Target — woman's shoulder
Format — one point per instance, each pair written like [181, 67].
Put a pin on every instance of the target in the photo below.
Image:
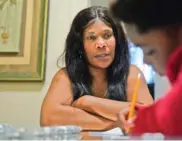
[60, 89]
[134, 71]
[62, 75]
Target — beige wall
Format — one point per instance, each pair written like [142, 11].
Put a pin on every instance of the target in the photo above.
[22, 108]
[100, 2]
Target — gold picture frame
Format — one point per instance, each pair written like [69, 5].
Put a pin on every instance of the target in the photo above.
[28, 62]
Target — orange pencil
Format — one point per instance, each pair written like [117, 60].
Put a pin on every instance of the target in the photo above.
[134, 100]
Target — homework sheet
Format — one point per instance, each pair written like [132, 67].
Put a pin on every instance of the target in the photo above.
[113, 132]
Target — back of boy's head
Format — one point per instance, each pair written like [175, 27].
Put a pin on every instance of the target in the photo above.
[148, 14]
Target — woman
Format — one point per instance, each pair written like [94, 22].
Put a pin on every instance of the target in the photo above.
[91, 89]
[156, 26]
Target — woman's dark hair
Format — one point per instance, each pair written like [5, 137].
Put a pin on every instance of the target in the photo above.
[76, 63]
[148, 14]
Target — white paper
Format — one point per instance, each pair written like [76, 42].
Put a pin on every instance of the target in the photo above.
[114, 132]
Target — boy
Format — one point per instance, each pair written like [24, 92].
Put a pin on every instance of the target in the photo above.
[156, 26]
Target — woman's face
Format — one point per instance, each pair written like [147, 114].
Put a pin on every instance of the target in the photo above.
[99, 44]
[157, 45]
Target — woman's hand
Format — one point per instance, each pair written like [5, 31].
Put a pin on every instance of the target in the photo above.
[77, 102]
[81, 102]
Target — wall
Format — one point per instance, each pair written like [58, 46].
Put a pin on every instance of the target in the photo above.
[162, 85]
[100, 2]
[22, 108]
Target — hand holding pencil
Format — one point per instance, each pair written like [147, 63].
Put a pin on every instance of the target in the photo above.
[134, 101]
[127, 116]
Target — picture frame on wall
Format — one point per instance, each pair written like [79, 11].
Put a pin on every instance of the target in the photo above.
[24, 35]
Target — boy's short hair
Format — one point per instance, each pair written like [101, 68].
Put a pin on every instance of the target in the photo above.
[148, 14]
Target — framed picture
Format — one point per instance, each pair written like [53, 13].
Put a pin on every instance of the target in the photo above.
[23, 30]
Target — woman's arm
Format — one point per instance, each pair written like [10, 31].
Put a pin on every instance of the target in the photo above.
[109, 108]
[67, 115]
[56, 109]
[104, 107]
[144, 95]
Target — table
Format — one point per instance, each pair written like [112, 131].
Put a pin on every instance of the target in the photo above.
[147, 136]
[89, 136]
[86, 136]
